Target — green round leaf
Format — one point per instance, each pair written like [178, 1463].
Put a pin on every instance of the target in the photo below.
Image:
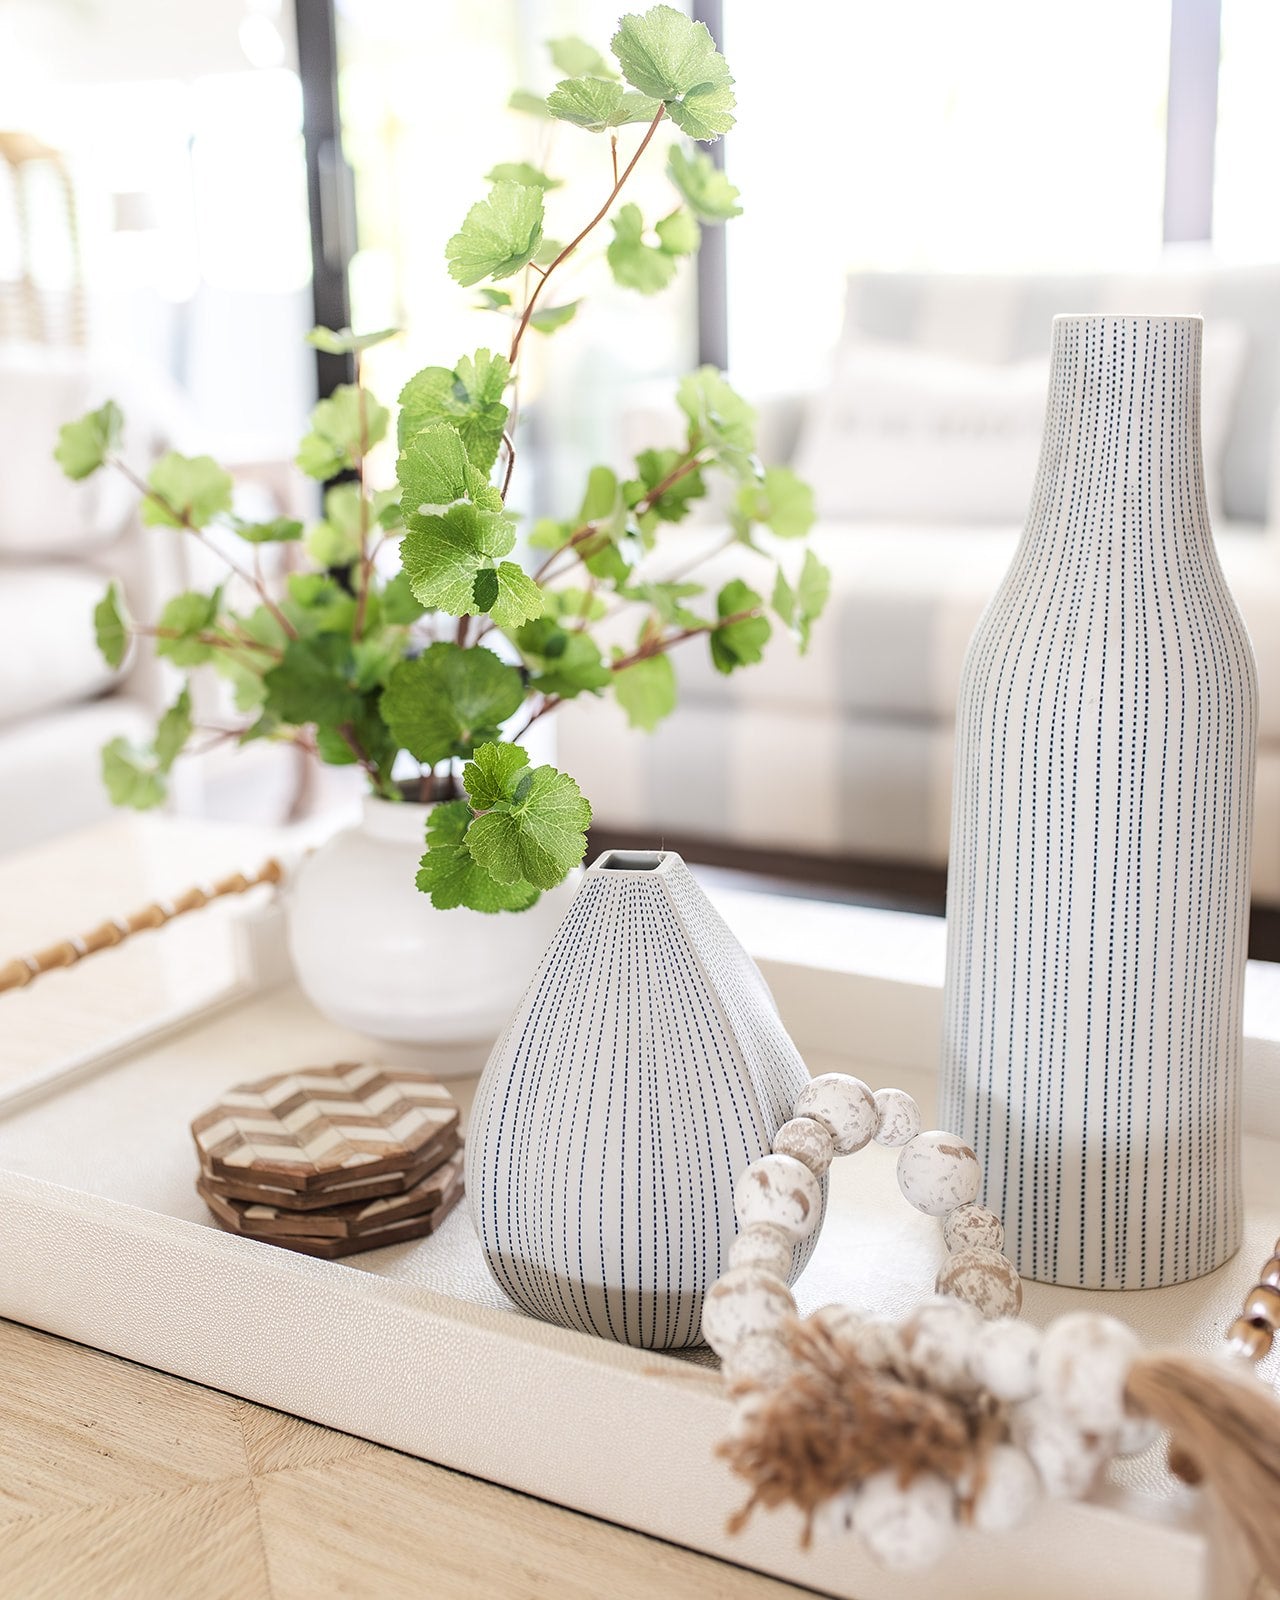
[188, 490]
[702, 185]
[84, 445]
[537, 837]
[663, 53]
[111, 626]
[499, 235]
[646, 691]
[442, 554]
[522, 172]
[576, 58]
[130, 776]
[635, 264]
[451, 875]
[449, 700]
[469, 396]
[343, 342]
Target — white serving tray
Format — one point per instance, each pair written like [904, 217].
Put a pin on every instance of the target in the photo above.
[103, 1240]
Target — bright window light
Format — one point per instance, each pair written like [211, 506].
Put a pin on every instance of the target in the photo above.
[994, 135]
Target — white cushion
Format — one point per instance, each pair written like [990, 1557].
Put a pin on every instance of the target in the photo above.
[906, 433]
[42, 512]
[1007, 317]
[904, 603]
[48, 654]
[51, 768]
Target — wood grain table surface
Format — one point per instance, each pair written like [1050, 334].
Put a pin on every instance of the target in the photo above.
[121, 1483]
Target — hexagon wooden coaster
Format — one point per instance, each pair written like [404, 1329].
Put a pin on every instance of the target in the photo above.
[376, 1238]
[310, 1129]
[341, 1222]
[432, 1155]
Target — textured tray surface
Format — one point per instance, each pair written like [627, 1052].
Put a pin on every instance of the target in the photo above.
[875, 1251]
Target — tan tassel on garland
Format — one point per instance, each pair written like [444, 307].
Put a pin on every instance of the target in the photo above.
[1229, 1425]
[835, 1421]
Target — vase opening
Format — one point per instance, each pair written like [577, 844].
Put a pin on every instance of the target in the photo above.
[631, 861]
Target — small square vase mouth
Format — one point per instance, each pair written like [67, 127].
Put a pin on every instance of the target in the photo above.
[635, 861]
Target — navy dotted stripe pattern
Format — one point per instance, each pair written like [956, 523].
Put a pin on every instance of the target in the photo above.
[1102, 816]
[644, 1069]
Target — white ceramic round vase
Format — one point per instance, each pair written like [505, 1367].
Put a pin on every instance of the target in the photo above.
[644, 1069]
[1098, 894]
[371, 952]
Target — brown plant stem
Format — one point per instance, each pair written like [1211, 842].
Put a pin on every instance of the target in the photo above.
[580, 535]
[184, 520]
[216, 641]
[682, 469]
[575, 242]
[577, 537]
[659, 645]
[366, 560]
[691, 566]
[678, 574]
[348, 735]
[549, 703]
[511, 462]
[217, 736]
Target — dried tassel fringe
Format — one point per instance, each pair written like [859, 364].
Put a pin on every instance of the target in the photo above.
[1229, 1425]
[834, 1421]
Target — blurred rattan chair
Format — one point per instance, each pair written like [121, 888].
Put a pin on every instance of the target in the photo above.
[38, 212]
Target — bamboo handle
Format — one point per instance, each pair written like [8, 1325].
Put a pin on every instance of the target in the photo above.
[22, 970]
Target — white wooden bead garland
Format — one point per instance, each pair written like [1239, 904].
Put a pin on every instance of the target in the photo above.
[1013, 1414]
[778, 1199]
[959, 1415]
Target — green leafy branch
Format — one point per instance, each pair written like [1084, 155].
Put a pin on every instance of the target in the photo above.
[188, 492]
[428, 677]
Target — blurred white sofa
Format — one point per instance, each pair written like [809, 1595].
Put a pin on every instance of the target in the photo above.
[922, 453]
[59, 542]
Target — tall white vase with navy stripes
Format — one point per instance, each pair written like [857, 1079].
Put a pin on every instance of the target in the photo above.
[644, 1069]
[1099, 883]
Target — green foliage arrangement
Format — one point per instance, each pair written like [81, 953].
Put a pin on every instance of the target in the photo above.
[457, 655]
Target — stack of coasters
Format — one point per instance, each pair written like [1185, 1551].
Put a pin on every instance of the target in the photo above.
[331, 1160]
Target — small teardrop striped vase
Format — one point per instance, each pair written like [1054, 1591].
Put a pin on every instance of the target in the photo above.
[644, 1069]
[1097, 908]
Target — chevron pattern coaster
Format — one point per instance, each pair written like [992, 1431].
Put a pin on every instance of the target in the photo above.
[375, 1238]
[331, 1160]
[258, 1221]
[431, 1156]
[323, 1126]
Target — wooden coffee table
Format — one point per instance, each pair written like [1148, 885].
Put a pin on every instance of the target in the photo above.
[121, 1483]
